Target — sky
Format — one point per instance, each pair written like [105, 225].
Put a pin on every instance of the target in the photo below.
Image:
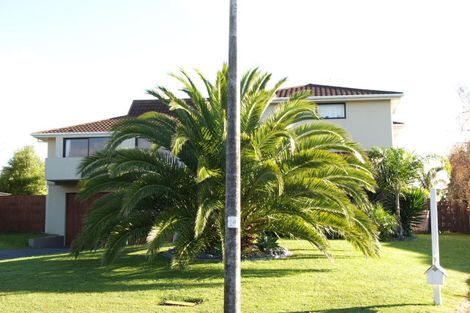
[68, 62]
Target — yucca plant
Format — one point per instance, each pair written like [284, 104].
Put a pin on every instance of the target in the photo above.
[301, 177]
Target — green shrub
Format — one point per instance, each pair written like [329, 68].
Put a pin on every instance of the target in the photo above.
[385, 221]
[267, 241]
[413, 202]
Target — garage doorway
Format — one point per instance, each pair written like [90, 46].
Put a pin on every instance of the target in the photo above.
[76, 211]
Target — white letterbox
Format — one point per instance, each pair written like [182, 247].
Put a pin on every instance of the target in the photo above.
[436, 275]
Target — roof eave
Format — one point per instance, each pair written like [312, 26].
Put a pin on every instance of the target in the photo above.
[40, 135]
[347, 97]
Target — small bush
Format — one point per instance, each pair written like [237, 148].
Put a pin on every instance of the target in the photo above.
[386, 222]
[267, 242]
[412, 203]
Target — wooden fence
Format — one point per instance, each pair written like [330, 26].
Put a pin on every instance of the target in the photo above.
[454, 216]
[22, 213]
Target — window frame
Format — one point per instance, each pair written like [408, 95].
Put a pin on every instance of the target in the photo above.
[333, 103]
[64, 145]
[136, 144]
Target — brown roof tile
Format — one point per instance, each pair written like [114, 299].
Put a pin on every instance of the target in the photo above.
[92, 127]
[325, 91]
[139, 107]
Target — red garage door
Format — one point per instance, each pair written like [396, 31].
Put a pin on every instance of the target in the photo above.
[76, 214]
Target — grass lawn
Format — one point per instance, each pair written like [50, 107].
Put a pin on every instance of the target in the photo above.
[306, 282]
[16, 240]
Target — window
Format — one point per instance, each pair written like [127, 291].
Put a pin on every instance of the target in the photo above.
[143, 143]
[76, 148]
[332, 110]
[97, 144]
[82, 147]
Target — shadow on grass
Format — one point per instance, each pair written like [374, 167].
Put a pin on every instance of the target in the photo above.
[454, 250]
[59, 273]
[362, 309]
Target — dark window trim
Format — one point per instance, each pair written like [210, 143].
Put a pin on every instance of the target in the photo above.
[334, 103]
[87, 140]
[137, 142]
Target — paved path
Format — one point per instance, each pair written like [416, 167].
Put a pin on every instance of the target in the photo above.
[21, 253]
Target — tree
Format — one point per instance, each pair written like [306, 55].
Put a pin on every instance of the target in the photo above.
[299, 178]
[459, 186]
[435, 171]
[463, 118]
[395, 169]
[24, 174]
[413, 202]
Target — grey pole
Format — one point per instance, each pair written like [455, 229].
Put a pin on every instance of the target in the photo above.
[232, 281]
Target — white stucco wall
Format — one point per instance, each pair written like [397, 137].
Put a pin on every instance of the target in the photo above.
[59, 170]
[51, 142]
[368, 121]
[56, 207]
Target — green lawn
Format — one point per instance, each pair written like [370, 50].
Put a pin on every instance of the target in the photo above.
[306, 282]
[16, 240]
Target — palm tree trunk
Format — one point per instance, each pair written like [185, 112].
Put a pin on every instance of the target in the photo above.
[398, 214]
[232, 251]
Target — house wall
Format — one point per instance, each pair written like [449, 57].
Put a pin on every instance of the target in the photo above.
[56, 206]
[59, 168]
[368, 121]
[51, 147]
[62, 177]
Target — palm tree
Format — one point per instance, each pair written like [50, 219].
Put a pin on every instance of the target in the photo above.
[395, 169]
[434, 168]
[299, 178]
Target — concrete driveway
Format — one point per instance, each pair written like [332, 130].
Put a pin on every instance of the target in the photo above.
[21, 253]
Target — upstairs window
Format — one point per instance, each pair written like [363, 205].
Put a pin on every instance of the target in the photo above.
[82, 147]
[332, 110]
[142, 143]
[97, 144]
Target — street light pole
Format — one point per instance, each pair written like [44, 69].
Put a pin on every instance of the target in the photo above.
[232, 251]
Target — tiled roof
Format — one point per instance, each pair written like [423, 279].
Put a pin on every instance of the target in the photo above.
[326, 91]
[139, 107]
[92, 127]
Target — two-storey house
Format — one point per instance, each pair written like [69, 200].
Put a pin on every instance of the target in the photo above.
[366, 114]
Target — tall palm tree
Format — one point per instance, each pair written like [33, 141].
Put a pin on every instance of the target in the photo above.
[395, 169]
[435, 170]
[299, 178]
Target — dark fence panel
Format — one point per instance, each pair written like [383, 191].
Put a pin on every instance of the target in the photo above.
[454, 216]
[22, 213]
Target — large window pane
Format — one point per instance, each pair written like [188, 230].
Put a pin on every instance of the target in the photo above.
[76, 147]
[82, 147]
[97, 144]
[332, 110]
[143, 144]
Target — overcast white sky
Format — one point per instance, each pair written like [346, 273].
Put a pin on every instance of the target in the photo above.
[68, 62]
